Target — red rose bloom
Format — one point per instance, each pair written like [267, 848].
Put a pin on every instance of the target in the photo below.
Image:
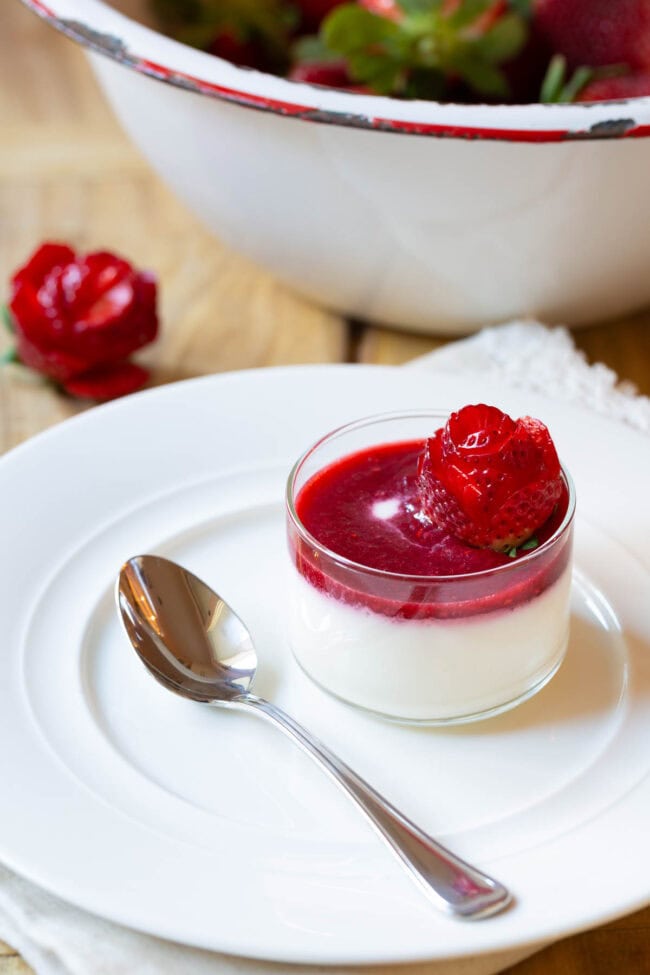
[78, 318]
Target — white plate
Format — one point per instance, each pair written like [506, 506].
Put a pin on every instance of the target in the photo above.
[209, 827]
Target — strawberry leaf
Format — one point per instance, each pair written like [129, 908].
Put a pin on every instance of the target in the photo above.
[483, 77]
[419, 6]
[554, 79]
[8, 319]
[522, 7]
[350, 29]
[312, 50]
[467, 12]
[505, 40]
[427, 84]
[555, 87]
[430, 48]
[530, 544]
[198, 22]
[9, 355]
[579, 80]
[375, 48]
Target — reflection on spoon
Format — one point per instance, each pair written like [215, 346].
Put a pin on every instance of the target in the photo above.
[195, 645]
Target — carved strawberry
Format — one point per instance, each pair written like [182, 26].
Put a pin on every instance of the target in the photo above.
[77, 318]
[488, 479]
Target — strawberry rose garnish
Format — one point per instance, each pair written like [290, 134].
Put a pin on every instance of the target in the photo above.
[77, 318]
[488, 479]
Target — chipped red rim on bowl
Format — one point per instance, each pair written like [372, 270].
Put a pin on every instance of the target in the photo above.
[436, 415]
[102, 29]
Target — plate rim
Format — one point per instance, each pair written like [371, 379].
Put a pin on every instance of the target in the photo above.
[185, 386]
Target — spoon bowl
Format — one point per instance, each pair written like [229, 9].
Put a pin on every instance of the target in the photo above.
[188, 637]
[194, 644]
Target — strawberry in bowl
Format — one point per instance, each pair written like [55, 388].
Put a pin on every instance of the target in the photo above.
[382, 173]
[467, 50]
[605, 44]
[431, 572]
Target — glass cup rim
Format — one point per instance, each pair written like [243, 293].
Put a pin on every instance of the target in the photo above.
[341, 560]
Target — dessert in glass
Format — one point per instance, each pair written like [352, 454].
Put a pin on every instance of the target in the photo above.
[431, 563]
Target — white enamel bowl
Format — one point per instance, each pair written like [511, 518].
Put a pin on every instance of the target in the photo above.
[439, 218]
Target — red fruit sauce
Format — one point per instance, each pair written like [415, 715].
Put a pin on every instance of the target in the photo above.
[365, 508]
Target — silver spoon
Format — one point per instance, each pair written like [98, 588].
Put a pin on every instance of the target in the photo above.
[195, 645]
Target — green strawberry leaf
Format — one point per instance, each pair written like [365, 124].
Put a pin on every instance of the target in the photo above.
[555, 87]
[530, 544]
[505, 40]
[522, 7]
[9, 355]
[579, 80]
[198, 22]
[554, 79]
[394, 57]
[312, 50]
[484, 78]
[467, 13]
[426, 84]
[350, 29]
[420, 6]
[7, 319]
[373, 47]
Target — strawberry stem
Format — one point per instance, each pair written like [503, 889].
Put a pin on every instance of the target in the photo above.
[556, 89]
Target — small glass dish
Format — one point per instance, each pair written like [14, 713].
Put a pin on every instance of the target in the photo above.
[442, 649]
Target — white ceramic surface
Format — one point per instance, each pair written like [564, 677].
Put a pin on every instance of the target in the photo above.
[207, 827]
[469, 223]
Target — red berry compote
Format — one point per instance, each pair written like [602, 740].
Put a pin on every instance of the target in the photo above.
[393, 610]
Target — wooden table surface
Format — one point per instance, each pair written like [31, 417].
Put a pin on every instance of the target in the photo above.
[68, 173]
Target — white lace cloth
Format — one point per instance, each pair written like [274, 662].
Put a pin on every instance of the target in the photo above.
[543, 360]
[57, 939]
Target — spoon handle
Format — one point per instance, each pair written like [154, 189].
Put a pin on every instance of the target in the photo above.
[452, 884]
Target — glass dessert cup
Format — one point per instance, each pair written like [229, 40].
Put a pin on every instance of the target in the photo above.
[430, 649]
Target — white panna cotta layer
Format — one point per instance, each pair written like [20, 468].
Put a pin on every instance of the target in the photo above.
[430, 670]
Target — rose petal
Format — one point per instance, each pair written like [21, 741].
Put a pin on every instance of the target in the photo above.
[42, 261]
[65, 286]
[38, 324]
[102, 272]
[55, 363]
[108, 307]
[117, 336]
[108, 382]
[82, 313]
